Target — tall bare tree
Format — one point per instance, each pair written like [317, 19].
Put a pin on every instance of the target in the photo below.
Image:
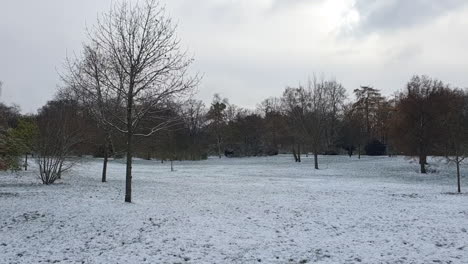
[314, 109]
[335, 95]
[317, 116]
[275, 123]
[455, 124]
[295, 103]
[194, 115]
[416, 127]
[137, 67]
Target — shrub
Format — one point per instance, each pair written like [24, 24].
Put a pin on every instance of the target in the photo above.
[376, 148]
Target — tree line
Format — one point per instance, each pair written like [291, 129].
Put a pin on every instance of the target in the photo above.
[427, 118]
[129, 94]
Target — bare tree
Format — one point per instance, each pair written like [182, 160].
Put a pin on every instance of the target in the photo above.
[84, 82]
[352, 132]
[336, 96]
[140, 67]
[455, 123]
[295, 103]
[416, 127]
[317, 116]
[275, 122]
[314, 111]
[194, 115]
[59, 131]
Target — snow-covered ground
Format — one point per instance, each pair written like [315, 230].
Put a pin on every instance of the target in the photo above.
[269, 210]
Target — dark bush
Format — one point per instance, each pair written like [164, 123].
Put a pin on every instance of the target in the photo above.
[376, 148]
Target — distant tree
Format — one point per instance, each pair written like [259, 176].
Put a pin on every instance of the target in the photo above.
[10, 147]
[335, 95]
[385, 110]
[275, 123]
[10, 151]
[172, 144]
[25, 134]
[455, 124]
[194, 115]
[317, 116]
[295, 102]
[217, 119]
[9, 116]
[367, 104]
[416, 127]
[351, 133]
[313, 110]
[245, 135]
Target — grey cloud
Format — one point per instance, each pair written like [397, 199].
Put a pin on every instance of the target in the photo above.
[253, 47]
[380, 15]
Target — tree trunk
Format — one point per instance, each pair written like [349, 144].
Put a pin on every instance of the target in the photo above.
[128, 176]
[316, 160]
[298, 152]
[424, 159]
[359, 151]
[172, 166]
[59, 173]
[458, 174]
[294, 154]
[422, 163]
[104, 165]
[26, 162]
[219, 146]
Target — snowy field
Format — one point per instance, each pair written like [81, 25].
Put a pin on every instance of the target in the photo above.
[268, 210]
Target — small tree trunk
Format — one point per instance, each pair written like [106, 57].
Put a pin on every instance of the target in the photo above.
[458, 174]
[172, 166]
[422, 163]
[59, 173]
[26, 162]
[104, 165]
[219, 146]
[294, 154]
[359, 151]
[298, 152]
[316, 160]
[128, 175]
[424, 159]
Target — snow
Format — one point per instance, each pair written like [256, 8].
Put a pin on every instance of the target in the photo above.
[251, 210]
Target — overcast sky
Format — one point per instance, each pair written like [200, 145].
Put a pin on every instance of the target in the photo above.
[249, 50]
